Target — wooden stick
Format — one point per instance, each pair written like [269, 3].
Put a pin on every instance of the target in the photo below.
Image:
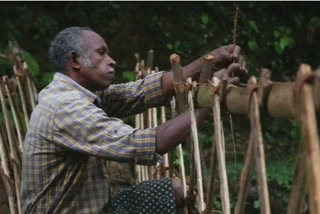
[14, 112]
[245, 178]
[224, 188]
[14, 155]
[10, 193]
[298, 190]
[30, 90]
[254, 115]
[23, 101]
[194, 131]
[3, 56]
[311, 139]
[181, 106]
[4, 158]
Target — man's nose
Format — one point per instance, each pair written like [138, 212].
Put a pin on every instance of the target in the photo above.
[111, 62]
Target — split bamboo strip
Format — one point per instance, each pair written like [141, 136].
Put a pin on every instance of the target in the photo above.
[14, 112]
[30, 90]
[194, 131]
[10, 194]
[138, 170]
[4, 158]
[245, 178]
[23, 101]
[166, 156]
[34, 90]
[137, 167]
[256, 129]
[224, 188]
[311, 139]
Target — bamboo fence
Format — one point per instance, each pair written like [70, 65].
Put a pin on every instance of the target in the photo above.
[297, 100]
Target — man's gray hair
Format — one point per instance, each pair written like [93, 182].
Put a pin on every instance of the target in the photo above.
[66, 41]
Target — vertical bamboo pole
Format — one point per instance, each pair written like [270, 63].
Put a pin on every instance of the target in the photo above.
[14, 156]
[14, 112]
[311, 140]
[30, 90]
[11, 194]
[224, 188]
[254, 115]
[194, 131]
[298, 192]
[245, 178]
[23, 100]
[181, 105]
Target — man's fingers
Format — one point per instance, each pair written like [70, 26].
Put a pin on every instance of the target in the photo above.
[233, 68]
[234, 80]
[235, 53]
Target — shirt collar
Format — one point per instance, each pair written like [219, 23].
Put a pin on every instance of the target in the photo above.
[64, 78]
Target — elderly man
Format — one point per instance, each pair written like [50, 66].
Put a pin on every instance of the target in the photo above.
[72, 131]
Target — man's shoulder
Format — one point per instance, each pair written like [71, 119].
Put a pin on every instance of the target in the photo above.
[55, 96]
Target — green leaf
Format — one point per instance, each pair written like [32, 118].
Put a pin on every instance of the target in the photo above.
[205, 19]
[256, 204]
[253, 26]
[252, 44]
[286, 42]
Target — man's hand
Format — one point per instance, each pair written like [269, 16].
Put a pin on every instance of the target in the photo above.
[232, 73]
[225, 55]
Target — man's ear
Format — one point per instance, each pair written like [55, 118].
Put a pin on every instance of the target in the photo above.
[73, 59]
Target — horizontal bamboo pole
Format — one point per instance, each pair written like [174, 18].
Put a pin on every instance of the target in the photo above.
[279, 103]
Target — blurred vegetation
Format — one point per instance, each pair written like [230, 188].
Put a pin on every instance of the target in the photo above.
[276, 35]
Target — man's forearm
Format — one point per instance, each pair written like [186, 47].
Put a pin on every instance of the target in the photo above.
[172, 132]
[191, 70]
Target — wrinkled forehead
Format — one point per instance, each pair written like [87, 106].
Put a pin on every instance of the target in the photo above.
[93, 40]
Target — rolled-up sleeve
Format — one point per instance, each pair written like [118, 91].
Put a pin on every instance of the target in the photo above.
[82, 127]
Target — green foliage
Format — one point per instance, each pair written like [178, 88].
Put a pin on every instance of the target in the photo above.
[33, 65]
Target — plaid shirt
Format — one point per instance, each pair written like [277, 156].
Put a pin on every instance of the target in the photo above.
[72, 132]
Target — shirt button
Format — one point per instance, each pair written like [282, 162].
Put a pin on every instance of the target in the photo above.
[115, 131]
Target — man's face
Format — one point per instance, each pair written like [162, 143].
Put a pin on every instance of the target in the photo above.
[100, 73]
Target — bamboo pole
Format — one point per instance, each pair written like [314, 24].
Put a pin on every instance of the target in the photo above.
[224, 188]
[180, 104]
[14, 112]
[245, 178]
[311, 139]
[194, 131]
[298, 190]
[13, 154]
[4, 158]
[10, 194]
[254, 116]
[30, 90]
[23, 101]
[278, 102]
